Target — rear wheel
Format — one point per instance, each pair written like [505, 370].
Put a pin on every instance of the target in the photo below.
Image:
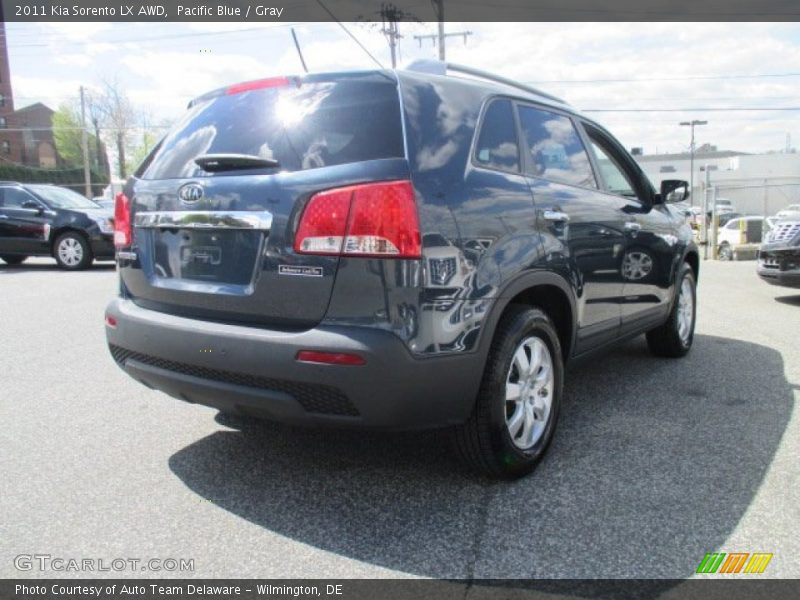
[674, 338]
[517, 407]
[11, 259]
[72, 251]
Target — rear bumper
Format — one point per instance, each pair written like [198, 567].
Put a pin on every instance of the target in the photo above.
[102, 246]
[255, 372]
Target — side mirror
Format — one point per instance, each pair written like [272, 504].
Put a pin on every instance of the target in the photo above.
[674, 190]
[31, 205]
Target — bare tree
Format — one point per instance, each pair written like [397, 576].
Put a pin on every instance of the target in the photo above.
[115, 114]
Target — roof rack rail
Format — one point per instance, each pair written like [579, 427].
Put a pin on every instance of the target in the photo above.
[438, 67]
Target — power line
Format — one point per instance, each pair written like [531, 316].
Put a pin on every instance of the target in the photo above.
[690, 109]
[686, 78]
[347, 31]
[158, 37]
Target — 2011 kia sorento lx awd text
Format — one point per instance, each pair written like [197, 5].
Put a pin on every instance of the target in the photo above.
[394, 249]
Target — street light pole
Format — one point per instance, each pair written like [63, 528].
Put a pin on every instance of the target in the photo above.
[691, 156]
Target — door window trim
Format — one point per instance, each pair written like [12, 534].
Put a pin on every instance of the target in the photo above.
[595, 134]
[473, 154]
[525, 150]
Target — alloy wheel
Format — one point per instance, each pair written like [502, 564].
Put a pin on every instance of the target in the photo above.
[529, 392]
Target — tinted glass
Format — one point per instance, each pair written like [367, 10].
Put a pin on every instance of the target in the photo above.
[557, 152]
[14, 197]
[59, 197]
[303, 126]
[497, 144]
[616, 179]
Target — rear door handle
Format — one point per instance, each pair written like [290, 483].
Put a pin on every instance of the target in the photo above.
[632, 226]
[556, 215]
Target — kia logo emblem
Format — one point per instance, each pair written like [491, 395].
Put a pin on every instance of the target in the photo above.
[190, 193]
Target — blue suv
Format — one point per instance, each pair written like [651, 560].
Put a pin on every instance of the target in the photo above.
[409, 249]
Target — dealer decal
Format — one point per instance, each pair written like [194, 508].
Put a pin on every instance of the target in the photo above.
[300, 271]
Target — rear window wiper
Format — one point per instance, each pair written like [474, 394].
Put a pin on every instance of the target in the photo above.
[230, 162]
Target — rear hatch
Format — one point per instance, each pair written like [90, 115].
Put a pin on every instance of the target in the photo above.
[216, 241]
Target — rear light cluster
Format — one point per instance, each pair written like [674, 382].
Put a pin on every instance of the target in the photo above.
[374, 219]
[122, 221]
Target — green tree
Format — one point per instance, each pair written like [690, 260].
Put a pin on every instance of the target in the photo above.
[67, 136]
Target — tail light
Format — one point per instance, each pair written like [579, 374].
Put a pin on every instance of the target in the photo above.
[122, 221]
[374, 219]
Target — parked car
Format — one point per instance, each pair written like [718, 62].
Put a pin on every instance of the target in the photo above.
[47, 220]
[779, 255]
[107, 204]
[394, 250]
[737, 231]
[790, 212]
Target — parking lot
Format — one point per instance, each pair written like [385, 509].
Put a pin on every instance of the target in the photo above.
[655, 463]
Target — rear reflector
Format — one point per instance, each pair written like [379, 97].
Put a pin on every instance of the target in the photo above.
[372, 220]
[122, 221]
[330, 358]
[111, 321]
[258, 84]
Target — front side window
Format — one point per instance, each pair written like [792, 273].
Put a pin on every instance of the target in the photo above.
[497, 144]
[616, 179]
[556, 150]
[14, 197]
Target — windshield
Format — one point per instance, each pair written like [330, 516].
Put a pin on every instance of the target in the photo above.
[58, 197]
[306, 126]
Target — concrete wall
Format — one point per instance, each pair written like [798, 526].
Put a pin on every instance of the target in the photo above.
[758, 184]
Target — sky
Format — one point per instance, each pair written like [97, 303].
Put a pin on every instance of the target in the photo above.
[594, 66]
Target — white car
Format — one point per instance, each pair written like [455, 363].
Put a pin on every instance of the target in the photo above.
[790, 212]
[738, 231]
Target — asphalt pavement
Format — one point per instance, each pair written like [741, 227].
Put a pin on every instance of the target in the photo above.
[655, 461]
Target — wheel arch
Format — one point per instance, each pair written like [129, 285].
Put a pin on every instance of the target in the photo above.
[693, 258]
[546, 290]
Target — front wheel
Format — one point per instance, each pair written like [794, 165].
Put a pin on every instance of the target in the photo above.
[725, 252]
[72, 251]
[674, 338]
[11, 259]
[517, 407]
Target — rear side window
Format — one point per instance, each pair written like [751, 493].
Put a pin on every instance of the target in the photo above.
[497, 143]
[303, 126]
[556, 150]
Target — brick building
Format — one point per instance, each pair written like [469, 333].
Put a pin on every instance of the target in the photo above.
[26, 135]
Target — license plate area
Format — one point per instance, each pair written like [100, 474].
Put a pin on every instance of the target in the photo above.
[206, 255]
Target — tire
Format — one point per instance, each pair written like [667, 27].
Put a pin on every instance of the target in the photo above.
[11, 259]
[724, 252]
[72, 252]
[486, 442]
[674, 338]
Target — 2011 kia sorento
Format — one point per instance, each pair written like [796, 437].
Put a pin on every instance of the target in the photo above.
[394, 249]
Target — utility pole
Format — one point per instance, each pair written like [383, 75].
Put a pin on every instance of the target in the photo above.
[87, 178]
[391, 15]
[438, 7]
[692, 124]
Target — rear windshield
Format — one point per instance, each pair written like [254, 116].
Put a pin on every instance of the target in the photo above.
[312, 125]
